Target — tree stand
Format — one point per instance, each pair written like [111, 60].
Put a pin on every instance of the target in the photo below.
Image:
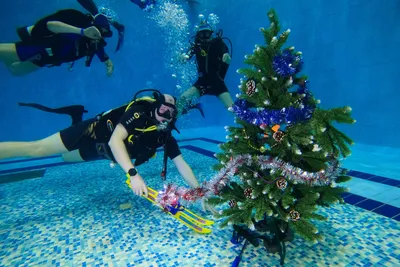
[274, 241]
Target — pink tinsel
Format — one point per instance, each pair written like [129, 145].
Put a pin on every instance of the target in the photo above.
[172, 194]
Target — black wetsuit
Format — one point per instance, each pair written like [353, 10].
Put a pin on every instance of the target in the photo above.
[91, 137]
[45, 48]
[211, 69]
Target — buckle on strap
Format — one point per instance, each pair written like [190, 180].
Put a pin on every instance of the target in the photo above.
[103, 151]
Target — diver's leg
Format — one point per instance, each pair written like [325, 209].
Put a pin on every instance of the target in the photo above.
[139, 3]
[23, 68]
[44, 147]
[8, 54]
[189, 96]
[226, 99]
[72, 156]
[90, 6]
[193, 10]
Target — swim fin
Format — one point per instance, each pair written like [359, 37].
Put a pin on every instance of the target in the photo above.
[121, 34]
[90, 6]
[197, 106]
[74, 111]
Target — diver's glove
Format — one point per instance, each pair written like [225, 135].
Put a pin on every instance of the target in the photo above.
[226, 58]
[110, 67]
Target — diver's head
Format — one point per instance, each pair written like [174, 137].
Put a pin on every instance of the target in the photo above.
[166, 110]
[103, 25]
[204, 33]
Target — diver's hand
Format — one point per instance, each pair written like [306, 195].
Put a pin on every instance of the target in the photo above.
[110, 67]
[92, 33]
[226, 58]
[138, 186]
[207, 207]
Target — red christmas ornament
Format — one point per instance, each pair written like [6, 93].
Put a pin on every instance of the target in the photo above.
[278, 136]
[248, 192]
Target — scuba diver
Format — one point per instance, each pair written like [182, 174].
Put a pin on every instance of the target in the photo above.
[212, 60]
[62, 37]
[91, 7]
[132, 131]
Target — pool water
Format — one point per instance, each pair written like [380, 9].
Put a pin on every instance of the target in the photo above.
[85, 215]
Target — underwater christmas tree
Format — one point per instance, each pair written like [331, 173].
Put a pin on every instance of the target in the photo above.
[282, 160]
[285, 151]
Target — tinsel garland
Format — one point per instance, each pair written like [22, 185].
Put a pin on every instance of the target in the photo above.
[287, 63]
[171, 195]
[288, 115]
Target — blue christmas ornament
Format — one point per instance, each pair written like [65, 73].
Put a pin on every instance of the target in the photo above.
[303, 88]
[287, 64]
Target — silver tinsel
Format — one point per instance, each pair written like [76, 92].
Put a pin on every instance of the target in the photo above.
[291, 173]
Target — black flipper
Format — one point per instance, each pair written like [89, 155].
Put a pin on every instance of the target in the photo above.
[121, 33]
[74, 111]
[194, 106]
[90, 6]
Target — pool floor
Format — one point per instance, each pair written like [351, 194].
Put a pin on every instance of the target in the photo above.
[85, 215]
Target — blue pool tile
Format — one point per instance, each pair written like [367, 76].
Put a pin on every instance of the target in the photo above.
[26, 160]
[20, 176]
[369, 204]
[387, 210]
[377, 179]
[397, 218]
[391, 182]
[354, 173]
[211, 140]
[201, 151]
[364, 175]
[354, 199]
[346, 194]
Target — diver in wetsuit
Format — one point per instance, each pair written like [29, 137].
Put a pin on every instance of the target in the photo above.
[63, 37]
[212, 59]
[132, 131]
